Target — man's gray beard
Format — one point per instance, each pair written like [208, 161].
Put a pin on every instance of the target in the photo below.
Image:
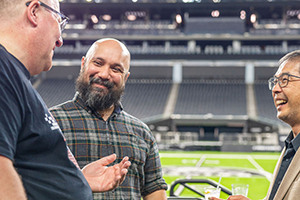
[95, 97]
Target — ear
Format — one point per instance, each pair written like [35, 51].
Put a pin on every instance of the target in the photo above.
[32, 11]
[82, 62]
[128, 73]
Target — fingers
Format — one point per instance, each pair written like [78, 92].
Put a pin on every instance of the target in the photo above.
[125, 163]
[124, 160]
[124, 172]
[107, 159]
[237, 197]
[122, 169]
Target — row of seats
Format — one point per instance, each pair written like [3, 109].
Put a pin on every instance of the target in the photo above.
[183, 49]
[148, 98]
[102, 29]
[282, 31]
[212, 97]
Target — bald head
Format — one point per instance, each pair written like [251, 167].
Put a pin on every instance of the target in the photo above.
[104, 71]
[110, 44]
[30, 32]
[10, 8]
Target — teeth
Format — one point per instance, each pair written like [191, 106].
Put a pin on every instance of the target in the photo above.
[279, 102]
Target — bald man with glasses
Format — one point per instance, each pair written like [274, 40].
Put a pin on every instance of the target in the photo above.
[62, 19]
[285, 87]
[35, 162]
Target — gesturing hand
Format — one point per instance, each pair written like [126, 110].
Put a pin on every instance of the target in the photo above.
[102, 178]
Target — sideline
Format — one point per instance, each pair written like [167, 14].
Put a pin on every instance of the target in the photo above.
[268, 175]
[228, 156]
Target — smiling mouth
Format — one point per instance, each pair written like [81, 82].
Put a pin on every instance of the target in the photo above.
[99, 85]
[280, 102]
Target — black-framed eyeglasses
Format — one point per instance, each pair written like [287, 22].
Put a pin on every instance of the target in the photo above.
[282, 80]
[63, 18]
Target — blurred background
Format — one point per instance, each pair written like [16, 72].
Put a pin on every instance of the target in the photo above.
[199, 68]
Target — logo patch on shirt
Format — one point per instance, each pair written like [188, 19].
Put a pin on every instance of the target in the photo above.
[49, 118]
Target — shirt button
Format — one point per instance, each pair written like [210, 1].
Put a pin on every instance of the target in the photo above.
[286, 160]
[279, 182]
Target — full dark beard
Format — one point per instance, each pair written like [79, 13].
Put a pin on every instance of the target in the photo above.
[96, 98]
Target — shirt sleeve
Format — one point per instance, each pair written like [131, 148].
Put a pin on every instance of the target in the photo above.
[10, 118]
[153, 172]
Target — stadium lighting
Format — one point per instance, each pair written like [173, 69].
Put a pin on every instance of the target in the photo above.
[215, 13]
[253, 18]
[178, 19]
[88, 0]
[106, 17]
[188, 1]
[131, 17]
[134, 1]
[94, 19]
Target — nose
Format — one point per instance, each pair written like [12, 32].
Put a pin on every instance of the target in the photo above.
[59, 42]
[104, 72]
[276, 88]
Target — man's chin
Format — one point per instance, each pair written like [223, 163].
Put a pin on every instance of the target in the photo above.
[282, 117]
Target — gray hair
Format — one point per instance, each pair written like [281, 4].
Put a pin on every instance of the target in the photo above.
[292, 56]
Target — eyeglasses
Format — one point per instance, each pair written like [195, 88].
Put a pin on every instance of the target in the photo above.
[282, 80]
[63, 20]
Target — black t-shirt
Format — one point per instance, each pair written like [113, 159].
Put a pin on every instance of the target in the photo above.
[31, 138]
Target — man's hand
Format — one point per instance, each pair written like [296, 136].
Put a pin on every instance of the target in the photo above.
[233, 197]
[102, 178]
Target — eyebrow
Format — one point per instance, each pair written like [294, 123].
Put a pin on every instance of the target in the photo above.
[285, 73]
[114, 64]
[98, 58]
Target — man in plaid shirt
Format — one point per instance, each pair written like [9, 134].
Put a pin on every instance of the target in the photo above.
[95, 124]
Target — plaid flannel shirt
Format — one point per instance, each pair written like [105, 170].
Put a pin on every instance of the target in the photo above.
[89, 138]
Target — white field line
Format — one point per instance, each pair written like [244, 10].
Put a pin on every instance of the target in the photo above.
[268, 175]
[201, 161]
[181, 187]
[203, 157]
[226, 156]
[179, 190]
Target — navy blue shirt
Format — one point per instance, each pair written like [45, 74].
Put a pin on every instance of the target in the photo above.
[31, 138]
[291, 144]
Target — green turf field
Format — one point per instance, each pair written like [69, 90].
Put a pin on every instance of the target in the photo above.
[254, 169]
